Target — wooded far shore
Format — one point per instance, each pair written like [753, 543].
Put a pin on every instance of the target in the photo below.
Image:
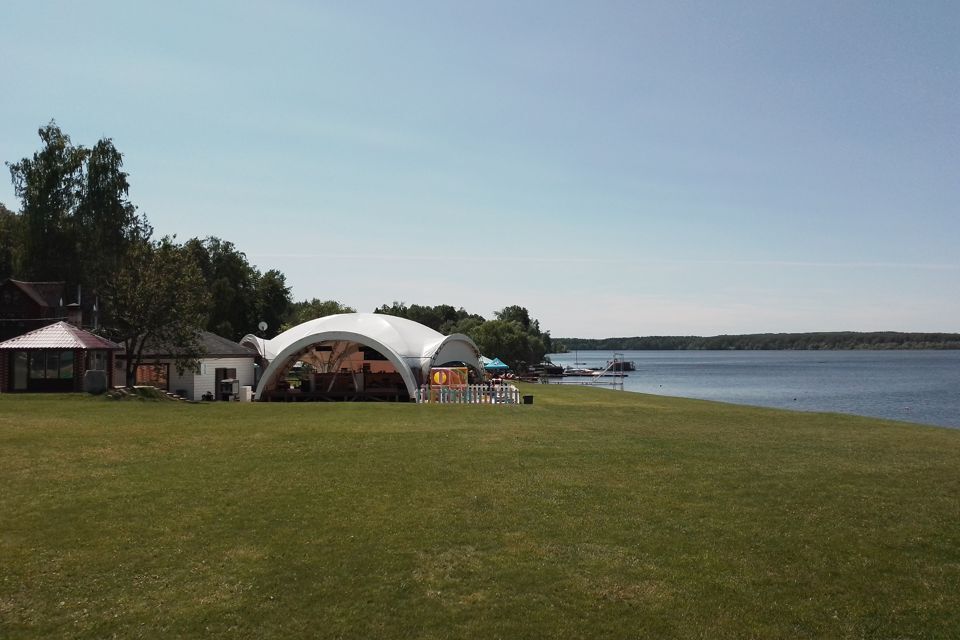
[766, 341]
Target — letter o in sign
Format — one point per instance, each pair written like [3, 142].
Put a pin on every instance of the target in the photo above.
[440, 377]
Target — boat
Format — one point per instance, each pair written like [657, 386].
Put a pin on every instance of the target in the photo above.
[580, 372]
[609, 373]
[621, 365]
[547, 368]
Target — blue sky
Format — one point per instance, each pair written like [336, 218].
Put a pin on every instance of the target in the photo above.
[620, 168]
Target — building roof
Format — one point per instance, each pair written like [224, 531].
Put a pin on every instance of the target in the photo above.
[212, 345]
[59, 335]
[215, 345]
[407, 338]
[45, 294]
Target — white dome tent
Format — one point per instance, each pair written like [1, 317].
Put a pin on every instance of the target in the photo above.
[357, 356]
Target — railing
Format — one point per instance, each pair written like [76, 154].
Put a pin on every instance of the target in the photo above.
[470, 394]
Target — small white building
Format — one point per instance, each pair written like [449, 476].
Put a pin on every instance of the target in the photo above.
[223, 360]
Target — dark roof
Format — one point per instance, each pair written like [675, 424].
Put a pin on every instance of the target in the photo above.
[214, 346]
[59, 335]
[45, 294]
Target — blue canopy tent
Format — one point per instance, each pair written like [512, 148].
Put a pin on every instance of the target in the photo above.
[496, 365]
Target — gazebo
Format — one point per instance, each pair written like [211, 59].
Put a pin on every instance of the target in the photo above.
[54, 358]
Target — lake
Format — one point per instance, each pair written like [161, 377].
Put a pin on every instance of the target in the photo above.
[916, 386]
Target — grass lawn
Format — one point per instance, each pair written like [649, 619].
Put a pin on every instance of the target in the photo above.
[590, 514]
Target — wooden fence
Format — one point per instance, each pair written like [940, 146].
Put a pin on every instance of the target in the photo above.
[470, 394]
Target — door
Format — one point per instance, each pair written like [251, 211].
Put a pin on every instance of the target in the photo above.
[19, 366]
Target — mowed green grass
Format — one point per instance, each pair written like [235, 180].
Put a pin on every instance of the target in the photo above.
[590, 514]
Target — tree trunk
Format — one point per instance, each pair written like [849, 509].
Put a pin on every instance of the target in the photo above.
[134, 353]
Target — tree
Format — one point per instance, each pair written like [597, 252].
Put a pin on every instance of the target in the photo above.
[239, 296]
[157, 297]
[520, 315]
[514, 336]
[467, 325]
[229, 280]
[105, 221]
[304, 311]
[273, 301]
[507, 340]
[10, 242]
[76, 221]
[515, 313]
[49, 186]
[442, 317]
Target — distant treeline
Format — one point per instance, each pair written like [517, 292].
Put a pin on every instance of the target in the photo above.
[772, 341]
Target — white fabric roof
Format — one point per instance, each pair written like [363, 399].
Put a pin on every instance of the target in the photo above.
[414, 346]
[407, 338]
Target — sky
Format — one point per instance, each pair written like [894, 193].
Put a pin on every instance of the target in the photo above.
[619, 168]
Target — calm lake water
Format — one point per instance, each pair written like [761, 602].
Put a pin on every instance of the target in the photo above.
[916, 386]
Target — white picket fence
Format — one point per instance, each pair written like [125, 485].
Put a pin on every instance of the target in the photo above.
[470, 394]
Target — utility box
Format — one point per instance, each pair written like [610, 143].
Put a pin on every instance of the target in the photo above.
[527, 399]
[246, 393]
[229, 389]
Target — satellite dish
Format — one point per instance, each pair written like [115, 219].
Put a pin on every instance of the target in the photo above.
[262, 325]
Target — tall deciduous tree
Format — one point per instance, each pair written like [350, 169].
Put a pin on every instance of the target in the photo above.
[105, 222]
[49, 187]
[231, 286]
[10, 242]
[239, 296]
[520, 315]
[273, 301]
[76, 220]
[514, 336]
[442, 317]
[157, 298]
[305, 310]
[509, 341]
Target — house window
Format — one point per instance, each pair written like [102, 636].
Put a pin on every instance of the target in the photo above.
[154, 375]
[66, 365]
[51, 365]
[96, 361]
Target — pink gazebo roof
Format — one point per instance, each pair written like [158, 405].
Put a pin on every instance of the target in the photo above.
[59, 335]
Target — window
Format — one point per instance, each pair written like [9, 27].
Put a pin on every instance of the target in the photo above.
[97, 360]
[51, 365]
[66, 365]
[38, 365]
[225, 374]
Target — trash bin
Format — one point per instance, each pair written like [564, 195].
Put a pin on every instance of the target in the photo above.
[527, 399]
